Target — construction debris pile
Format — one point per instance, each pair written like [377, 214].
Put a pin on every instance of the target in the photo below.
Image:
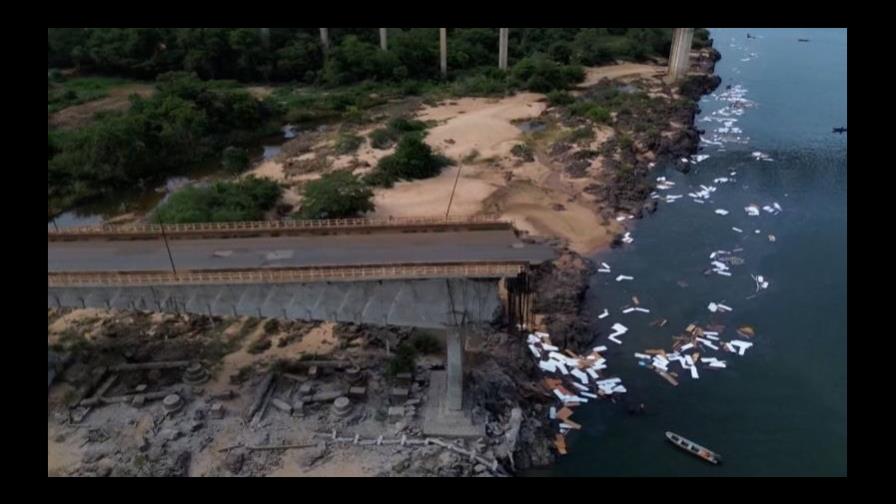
[691, 350]
[574, 379]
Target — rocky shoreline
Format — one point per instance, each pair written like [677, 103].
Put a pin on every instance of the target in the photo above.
[561, 285]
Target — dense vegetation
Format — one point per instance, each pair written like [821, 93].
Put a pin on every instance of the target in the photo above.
[196, 113]
[242, 200]
[187, 121]
[295, 54]
[336, 195]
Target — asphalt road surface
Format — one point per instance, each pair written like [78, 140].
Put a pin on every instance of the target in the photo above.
[293, 251]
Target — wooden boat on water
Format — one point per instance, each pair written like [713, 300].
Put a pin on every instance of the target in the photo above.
[693, 448]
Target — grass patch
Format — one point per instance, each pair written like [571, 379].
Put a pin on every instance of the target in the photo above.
[68, 92]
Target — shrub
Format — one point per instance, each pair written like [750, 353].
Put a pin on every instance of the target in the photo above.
[540, 74]
[598, 114]
[243, 200]
[235, 159]
[405, 125]
[426, 344]
[403, 361]
[382, 138]
[413, 159]
[348, 143]
[523, 152]
[336, 195]
[560, 98]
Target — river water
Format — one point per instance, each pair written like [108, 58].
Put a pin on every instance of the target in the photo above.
[780, 409]
[145, 199]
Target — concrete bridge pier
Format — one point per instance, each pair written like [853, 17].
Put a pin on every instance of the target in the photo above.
[325, 38]
[680, 55]
[383, 40]
[443, 50]
[454, 367]
[502, 47]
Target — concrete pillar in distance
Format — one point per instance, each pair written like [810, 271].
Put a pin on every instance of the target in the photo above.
[324, 39]
[383, 41]
[454, 367]
[443, 50]
[680, 55]
[265, 36]
[502, 47]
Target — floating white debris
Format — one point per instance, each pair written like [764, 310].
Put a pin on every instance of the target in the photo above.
[698, 201]
[642, 356]
[603, 270]
[628, 238]
[619, 329]
[720, 180]
[694, 373]
[700, 157]
[771, 237]
[777, 206]
[605, 265]
[628, 310]
[721, 211]
[752, 210]
[707, 343]
[686, 347]
[642, 310]
[756, 231]
[605, 313]
[600, 348]
[742, 346]
[724, 307]
[552, 413]
[580, 375]
[739, 230]
[723, 273]
[624, 277]
[761, 282]
[535, 351]
[713, 307]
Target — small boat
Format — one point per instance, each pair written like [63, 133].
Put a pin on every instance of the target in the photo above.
[693, 448]
[839, 130]
[802, 40]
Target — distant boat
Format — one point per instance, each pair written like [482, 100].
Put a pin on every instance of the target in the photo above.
[839, 130]
[802, 40]
[693, 448]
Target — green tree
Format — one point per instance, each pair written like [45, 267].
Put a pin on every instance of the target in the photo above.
[336, 195]
[413, 159]
[235, 159]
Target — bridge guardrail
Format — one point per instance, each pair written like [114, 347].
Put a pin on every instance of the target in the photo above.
[132, 231]
[287, 275]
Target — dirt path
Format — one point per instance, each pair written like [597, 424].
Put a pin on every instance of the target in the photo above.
[118, 99]
[593, 75]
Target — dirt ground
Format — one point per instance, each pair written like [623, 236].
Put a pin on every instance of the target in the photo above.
[80, 115]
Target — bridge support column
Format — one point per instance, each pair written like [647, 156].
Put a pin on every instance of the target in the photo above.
[325, 39]
[454, 366]
[680, 55]
[443, 50]
[383, 40]
[502, 47]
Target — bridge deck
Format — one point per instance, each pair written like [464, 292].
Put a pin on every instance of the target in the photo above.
[293, 251]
